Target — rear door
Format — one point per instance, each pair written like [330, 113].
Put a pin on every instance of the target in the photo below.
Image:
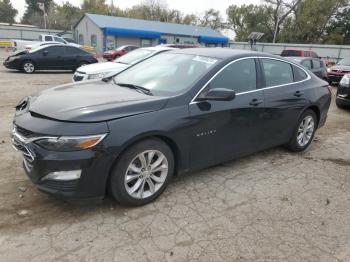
[285, 97]
[226, 129]
[71, 57]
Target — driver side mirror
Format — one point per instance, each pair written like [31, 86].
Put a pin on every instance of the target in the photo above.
[217, 94]
[45, 53]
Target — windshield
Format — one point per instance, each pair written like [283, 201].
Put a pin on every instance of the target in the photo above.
[167, 73]
[134, 56]
[344, 62]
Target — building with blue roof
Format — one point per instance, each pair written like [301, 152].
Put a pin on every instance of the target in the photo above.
[109, 32]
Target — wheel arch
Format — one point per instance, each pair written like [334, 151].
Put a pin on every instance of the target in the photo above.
[160, 136]
[316, 111]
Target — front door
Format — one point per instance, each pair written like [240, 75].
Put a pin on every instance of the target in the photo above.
[223, 130]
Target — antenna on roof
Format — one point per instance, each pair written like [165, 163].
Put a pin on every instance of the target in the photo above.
[253, 38]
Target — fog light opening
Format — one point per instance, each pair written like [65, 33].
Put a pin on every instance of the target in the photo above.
[63, 175]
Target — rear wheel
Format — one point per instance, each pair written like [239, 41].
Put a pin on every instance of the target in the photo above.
[142, 173]
[304, 131]
[28, 67]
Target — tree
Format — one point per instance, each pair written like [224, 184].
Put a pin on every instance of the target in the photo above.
[95, 7]
[313, 17]
[281, 10]
[250, 18]
[63, 16]
[211, 18]
[7, 12]
[33, 15]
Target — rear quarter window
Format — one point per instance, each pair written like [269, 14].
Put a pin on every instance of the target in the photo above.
[299, 74]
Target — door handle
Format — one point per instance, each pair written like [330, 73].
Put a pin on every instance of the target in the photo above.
[298, 93]
[256, 102]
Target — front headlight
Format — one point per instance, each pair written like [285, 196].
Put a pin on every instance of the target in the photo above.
[66, 144]
[329, 70]
[13, 58]
[98, 76]
[345, 81]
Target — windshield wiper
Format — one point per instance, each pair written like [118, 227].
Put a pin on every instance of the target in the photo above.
[136, 87]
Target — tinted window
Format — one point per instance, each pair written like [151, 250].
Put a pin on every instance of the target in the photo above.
[299, 74]
[307, 54]
[317, 64]
[277, 72]
[291, 53]
[48, 38]
[54, 50]
[71, 50]
[239, 76]
[306, 63]
[313, 54]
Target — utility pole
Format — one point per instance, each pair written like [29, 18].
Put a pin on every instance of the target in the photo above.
[41, 6]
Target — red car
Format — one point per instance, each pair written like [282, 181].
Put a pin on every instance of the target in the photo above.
[113, 54]
[336, 72]
[295, 52]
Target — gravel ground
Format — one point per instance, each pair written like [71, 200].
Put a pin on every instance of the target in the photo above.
[271, 206]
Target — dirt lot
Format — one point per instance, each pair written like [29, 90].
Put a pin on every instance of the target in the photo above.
[272, 206]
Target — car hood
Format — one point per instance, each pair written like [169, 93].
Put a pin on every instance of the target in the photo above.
[92, 101]
[102, 67]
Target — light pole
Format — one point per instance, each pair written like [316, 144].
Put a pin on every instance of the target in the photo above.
[41, 6]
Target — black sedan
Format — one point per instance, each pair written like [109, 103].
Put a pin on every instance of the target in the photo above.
[315, 65]
[53, 57]
[343, 92]
[174, 113]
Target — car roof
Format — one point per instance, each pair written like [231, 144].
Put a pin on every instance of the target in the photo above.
[158, 48]
[222, 53]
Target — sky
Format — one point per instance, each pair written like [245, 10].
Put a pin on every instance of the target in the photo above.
[185, 6]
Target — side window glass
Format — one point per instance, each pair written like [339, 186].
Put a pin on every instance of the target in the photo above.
[239, 76]
[306, 63]
[48, 38]
[299, 74]
[317, 64]
[277, 72]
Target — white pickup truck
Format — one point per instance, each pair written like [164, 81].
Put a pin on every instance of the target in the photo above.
[43, 40]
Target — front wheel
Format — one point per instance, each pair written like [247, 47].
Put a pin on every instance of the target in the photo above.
[142, 173]
[304, 131]
[28, 67]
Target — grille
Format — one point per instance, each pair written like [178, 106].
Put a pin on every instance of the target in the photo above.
[61, 185]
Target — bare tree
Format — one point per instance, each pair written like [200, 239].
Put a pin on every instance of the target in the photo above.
[281, 10]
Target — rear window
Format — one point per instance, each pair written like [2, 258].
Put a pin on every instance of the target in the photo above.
[291, 53]
[48, 38]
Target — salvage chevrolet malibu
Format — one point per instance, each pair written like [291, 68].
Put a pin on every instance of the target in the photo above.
[174, 113]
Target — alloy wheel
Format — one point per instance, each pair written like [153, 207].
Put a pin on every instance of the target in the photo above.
[146, 174]
[28, 67]
[305, 131]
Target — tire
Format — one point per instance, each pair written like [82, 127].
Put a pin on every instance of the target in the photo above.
[28, 67]
[300, 142]
[137, 190]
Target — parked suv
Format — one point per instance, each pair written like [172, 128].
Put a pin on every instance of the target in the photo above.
[295, 52]
[315, 65]
[173, 113]
[114, 54]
